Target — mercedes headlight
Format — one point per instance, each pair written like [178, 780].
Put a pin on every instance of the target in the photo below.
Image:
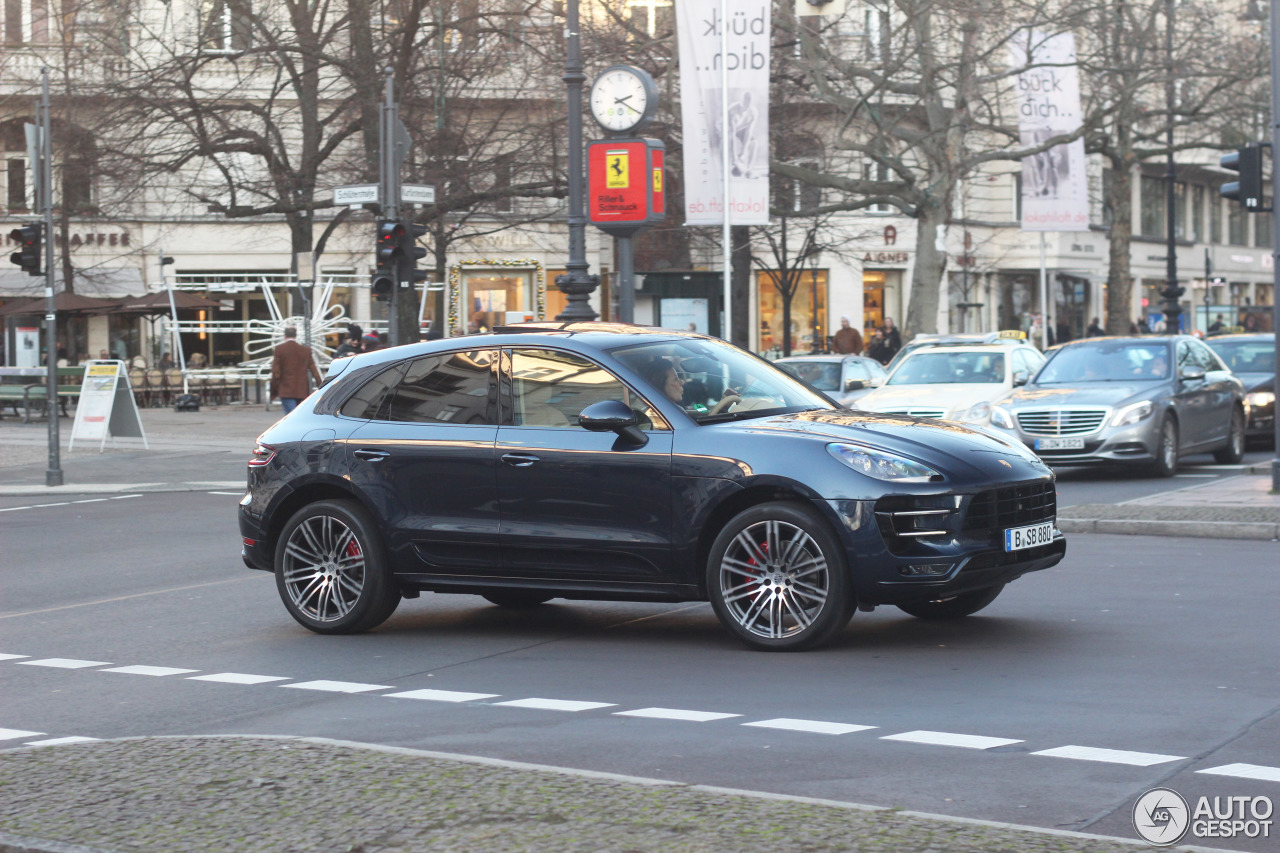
[1259, 399]
[1000, 417]
[1130, 415]
[882, 465]
[978, 413]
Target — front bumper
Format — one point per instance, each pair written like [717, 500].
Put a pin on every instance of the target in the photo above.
[1136, 444]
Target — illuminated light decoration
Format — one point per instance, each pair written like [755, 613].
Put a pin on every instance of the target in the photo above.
[452, 325]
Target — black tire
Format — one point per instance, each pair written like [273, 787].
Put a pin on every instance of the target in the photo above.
[331, 571]
[517, 598]
[1166, 464]
[1233, 452]
[955, 607]
[796, 600]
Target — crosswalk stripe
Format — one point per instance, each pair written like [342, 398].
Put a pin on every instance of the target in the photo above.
[1245, 771]
[675, 714]
[555, 704]
[1109, 756]
[815, 726]
[951, 739]
[441, 695]
[338, 686]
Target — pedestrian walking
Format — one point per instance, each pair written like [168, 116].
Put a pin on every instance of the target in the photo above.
[847, 340]
[1095, 330]
[290, 366]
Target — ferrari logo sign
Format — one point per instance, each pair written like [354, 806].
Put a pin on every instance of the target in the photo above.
[617, 173]
[657, 180]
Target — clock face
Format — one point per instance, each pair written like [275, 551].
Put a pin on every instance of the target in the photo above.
[620, 99]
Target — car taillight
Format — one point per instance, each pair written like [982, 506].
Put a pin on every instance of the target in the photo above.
[262, 455]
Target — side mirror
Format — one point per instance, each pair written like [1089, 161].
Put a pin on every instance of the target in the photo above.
[613, 416]
[1192, 373]
[854, 384]
[1020, 378]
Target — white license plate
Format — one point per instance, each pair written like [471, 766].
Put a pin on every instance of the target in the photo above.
[1059, 444]
[1031, 536]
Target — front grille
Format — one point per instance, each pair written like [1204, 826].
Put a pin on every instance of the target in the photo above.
[1015, 506]
[917, 412]
[1062, 421]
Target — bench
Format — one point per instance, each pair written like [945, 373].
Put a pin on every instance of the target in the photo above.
[27, 385]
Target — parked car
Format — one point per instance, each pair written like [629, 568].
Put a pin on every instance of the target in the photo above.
[1006, 337]
[1253, 358]
[843, 378]
[596, 461]
[1144, 401]
[954, 382]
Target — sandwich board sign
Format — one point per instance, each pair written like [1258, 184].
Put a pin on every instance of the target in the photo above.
[106, 406]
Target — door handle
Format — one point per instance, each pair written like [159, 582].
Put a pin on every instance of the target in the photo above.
[519, 460]
[371, 455]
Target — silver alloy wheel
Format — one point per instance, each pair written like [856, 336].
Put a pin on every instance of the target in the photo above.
[774, 579]
[324, 568]
[1169, 445]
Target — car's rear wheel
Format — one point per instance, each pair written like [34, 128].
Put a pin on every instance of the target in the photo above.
[1233, 452]
[777, 578]
[1166, 464]
[330, 569]
[955, 607]
[517, 598]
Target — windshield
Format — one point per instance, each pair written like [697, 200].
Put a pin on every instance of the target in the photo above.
[1114, 361]
[823, 375]
[713, 379]
[938, 367]
[1247, 356]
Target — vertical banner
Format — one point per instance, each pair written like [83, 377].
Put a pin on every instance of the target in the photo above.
[1055, 188]
[698, 26]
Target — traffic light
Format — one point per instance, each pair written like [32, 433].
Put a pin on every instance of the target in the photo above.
[28, 255]
[388, 254]
[1248, 190]
[410, 253]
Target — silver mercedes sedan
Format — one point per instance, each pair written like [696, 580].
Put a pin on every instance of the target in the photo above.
[1139, 401]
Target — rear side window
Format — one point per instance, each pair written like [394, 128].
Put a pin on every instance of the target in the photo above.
[449, 388]
[364, 404]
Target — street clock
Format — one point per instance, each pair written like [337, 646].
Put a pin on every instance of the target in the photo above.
[623, 99]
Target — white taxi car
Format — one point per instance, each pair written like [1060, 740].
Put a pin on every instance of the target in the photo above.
[954, 382]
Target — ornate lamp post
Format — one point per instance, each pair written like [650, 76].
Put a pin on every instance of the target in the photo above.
[576, 283]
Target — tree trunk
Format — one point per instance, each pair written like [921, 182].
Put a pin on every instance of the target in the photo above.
[1119, 277]
[926, 278]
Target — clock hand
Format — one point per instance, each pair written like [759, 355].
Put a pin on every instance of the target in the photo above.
[628, 106]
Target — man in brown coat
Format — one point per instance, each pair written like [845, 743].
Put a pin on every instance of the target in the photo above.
[289, 368]
[847, 339]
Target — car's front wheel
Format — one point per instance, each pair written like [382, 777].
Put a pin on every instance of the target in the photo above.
[330, 569]
[955, 607]
[1233, 452]
[777, 578]
[1166, 464]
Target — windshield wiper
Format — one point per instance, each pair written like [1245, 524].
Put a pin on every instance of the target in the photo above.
[748, 414]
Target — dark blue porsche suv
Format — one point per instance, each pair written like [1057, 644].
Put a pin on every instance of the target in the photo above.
[598, 461]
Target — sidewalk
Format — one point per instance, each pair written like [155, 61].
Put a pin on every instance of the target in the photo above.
[1231, 508]
[231, 794]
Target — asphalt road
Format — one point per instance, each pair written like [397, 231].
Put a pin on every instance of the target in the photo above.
[1113, 485]
[1137, 662]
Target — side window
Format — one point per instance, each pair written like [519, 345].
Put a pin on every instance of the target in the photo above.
[1185, 357]
[1207, 357]
[856, 370]
[365, 402]
[450, 388]
[549, 389]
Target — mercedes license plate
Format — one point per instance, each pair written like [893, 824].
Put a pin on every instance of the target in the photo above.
[1059, 444]
[1031, 536]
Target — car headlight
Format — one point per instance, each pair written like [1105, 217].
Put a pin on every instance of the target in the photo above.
[1259, 399]
[978, 413]
[1000, 417]
[1132, 414]
[882, 465]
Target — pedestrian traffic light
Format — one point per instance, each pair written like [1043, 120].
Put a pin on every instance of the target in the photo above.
[387, 255]
[28, 255]
[410, 254]
[1248, 190]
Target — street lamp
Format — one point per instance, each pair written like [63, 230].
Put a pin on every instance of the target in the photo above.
[576, 283]
[1172, 307]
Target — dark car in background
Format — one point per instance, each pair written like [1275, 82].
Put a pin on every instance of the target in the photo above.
[1253, 359]
[1136, 401]
[597, 461]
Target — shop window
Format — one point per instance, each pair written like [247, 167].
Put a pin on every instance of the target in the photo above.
[808, 311]
[489, 296]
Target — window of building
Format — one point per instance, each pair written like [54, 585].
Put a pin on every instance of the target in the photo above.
[1197, 213]
[874, 171]
[228, 25]
[1262, 229]
[1237, 226]
[791, 195]
[1179, 210]
[1152, 220]
[808, 311]
[1215, 218]
[654, 18]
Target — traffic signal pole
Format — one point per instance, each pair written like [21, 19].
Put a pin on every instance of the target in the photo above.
[389, 180]
[44, 191]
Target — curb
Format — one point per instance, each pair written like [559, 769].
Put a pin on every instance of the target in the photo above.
[1265, 531]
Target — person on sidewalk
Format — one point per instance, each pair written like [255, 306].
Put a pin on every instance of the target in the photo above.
[848, 340]
[290, 366]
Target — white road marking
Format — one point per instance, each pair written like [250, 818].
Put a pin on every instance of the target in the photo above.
[229, 494]
[59, 741]
[91, 500]
[123, 497]
[68, 503]
[149, 670]
[65, 663]
[951, 739]
[237, 678]
[675, 714]
[34, 506]
[1196, 476]
[1245, 771]
[14, 734]
[339, 686]
[556, 704]
[13, 657]
[441, 695]
[1109, 756]
[815, 726]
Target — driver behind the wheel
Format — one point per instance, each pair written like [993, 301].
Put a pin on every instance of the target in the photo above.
[662, 374]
